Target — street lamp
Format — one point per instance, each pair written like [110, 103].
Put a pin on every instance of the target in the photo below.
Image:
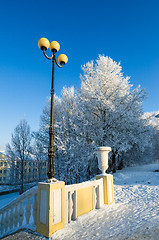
[54, 46]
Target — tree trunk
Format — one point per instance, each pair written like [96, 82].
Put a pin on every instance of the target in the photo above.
[88, 172]
[22, 168]
[113, 162]
[121, 165]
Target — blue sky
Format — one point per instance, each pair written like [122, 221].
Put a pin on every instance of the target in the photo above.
[127, 31]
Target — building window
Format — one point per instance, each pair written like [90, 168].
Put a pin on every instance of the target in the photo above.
[0, 171]
[5, 171]
[4, 178]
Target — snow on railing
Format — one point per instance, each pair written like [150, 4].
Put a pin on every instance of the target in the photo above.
[20, 213]
[71, 204]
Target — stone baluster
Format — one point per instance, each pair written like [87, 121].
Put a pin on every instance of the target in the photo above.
[35, 209]
[94, 198]
[12, 216]
[6, 221]
[98, 197]
[2, 223]
[69, 207]
[21, 213]
[72, 203]
[11, 219]
[74, 215]
[16, 214]
[66, 206]
[28, 210]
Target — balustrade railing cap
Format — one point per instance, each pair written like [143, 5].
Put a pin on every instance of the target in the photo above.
[103, 149]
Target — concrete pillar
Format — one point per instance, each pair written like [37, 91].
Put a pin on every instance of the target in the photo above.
[50, 212]
[107, 188]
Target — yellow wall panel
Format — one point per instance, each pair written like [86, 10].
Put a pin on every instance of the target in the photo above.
[84, 200]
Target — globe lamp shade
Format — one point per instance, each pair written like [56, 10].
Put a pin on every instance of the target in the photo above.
[43, 43]
[63, 59]
[54, 46]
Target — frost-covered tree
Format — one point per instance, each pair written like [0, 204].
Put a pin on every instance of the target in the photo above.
[143, 149]
[153, 124]
[112, 112]
[39, 154]
[66, 136]
[105, 111]
[64, 133]
[20, 147]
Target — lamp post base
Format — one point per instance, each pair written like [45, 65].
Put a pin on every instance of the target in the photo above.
[52, 180]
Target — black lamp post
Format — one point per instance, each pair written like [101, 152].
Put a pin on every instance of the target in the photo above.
[44, 44]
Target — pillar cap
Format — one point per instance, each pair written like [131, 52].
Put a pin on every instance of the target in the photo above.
[103, 149]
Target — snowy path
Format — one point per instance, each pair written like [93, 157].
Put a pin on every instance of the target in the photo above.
[136, 209]
[7, 198]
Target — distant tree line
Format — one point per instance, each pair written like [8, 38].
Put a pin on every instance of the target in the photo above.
[24, 153]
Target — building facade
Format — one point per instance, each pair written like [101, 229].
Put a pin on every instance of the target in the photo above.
[4, 169]
[33, 170]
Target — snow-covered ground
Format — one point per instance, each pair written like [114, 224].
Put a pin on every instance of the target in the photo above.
[4, 188]
[134, 215]
[7, 198]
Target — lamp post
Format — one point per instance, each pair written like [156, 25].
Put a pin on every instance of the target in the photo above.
[54, 46]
